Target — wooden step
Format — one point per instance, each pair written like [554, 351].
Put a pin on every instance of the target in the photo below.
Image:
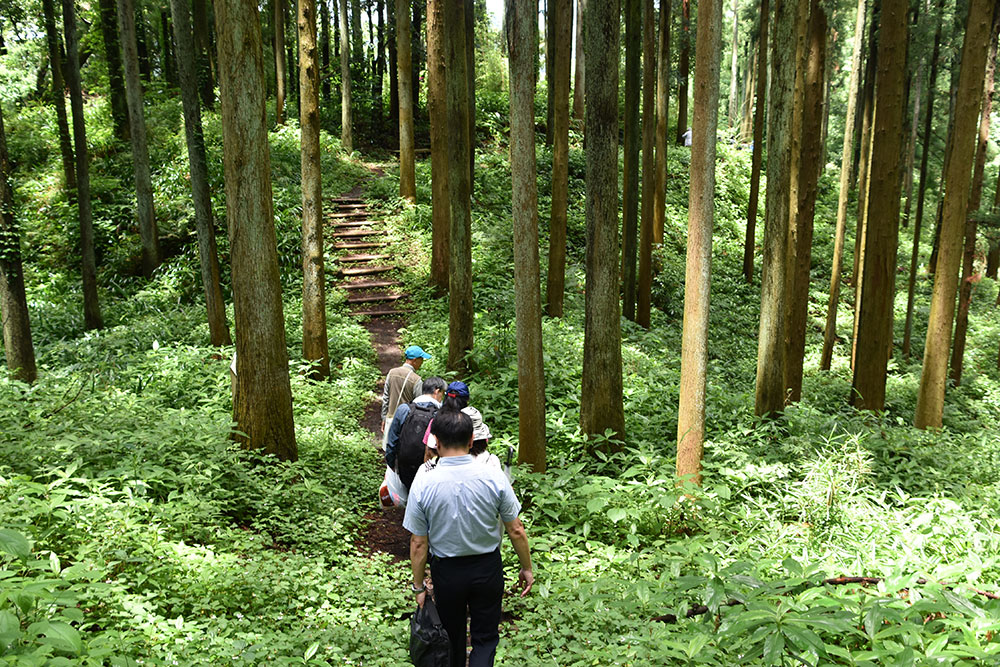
[346, 200]
[369, 284]
[357, 233]
[349, 207]
[361, 258]
[372, 298]
[355, 214]
[352, 225]
[357, 246]
[366, 270]
[378, 312]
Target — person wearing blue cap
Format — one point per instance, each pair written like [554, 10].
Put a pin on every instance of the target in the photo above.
[401, 384]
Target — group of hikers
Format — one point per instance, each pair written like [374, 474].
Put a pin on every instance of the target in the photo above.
[457, 497]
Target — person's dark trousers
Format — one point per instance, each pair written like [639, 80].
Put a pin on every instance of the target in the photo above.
[473, 583]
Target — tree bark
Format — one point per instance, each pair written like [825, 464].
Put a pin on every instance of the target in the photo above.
[202, 49]
[140, 151]
[562, 20]
[380, 65]
[683, 71]
[601, 407]
[393, 72]
[993, 256]
[54, 45]
[758, 143]
[922, 189]
[166, 48]
[207, 254]
[579, 80]
[550, 49]
[461, 313]
[975, 198]
[415, 53]
[521, 33]
[346, 140]
[630, 174]
[91, 306]
[470, 75]
[746, 124]
[280, 71]
[701, 220]
[145, 64]
[911, 144]
[662, 117]
[407, 175]
[16, 324]
[877, 289]
[262, 406]
[324, 50]
[113, 58]
[733, 110]
[437, 107]
[930, 399]
[645, 288]
[846, 160]
[770, 387]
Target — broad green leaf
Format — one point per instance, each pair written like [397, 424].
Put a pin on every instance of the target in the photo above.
[596, 504]
[774, 648]
[311, 651]
[10, 628]
[62, 636]
[963, 605]
[616, 514]
[15, 544]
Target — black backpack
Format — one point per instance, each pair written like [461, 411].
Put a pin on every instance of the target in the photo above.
[410, 452]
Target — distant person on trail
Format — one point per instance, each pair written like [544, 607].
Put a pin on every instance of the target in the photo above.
[457, 398]
[454, 513]
[404, 446]
[401, 384]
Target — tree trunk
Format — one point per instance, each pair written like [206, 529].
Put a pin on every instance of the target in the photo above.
[16, 325]
[202, 49]
[758, 143]
[415, 46]
[807, 122]
[470, 75]
[993, 256]
[59, 97]
[140, 151]
[682, 71]
[550, 50]
[877, 289]
[357, 45]
[169, 64]
[407, 175]
[324, 51]
[145, 66]
[662, 118]
[734, 68]
[911, 146]
[346, 140]
[770, 387]
[279, 59]
[930, 399]
[846, 159]
[262, 406]
[746, 124]
[91, 306]
[561, 17]
[113, 58]
[644, 296]
[601, 407]
[437, 107]
[393, 72]
[521, 33]
[377, 98]
[701, 220]
[314, 337]
[922, 189]
[198, 165]
[630, 174]
[578, 66]
[461, 313]
[975, 198]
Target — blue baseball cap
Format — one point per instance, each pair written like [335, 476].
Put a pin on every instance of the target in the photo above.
[458, 389]
[416, 352]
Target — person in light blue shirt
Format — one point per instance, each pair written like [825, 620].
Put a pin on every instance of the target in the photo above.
[455, 513]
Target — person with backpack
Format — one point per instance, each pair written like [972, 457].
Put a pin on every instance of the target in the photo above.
[404, 447]
[401, 384]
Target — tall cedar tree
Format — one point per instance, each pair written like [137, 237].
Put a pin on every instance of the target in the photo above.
[562, 18]
[407, 175]
[758, 142]
[734, 106]
[470, 82]
[459, 188]
[662, 117]
[54, 44]
[807, 119]
[521, 38]
[279, 60]
[437, 108]
[846, 158]
[770, 387]
[346, 140]
[324, 51]
[579, 76]
[864, 162]
[314, 339]
[930, 399]
[113, 58]
[911, 142]
[140, 151]
[975, 198]
[601, 406]
[203, 47]
[262, 406]
[645, 286]
[17, 344]
[683, 71]
[749, 86]
[91, 306]
[630, 174]
[922, 188]
[207, 254]
[550, 51]
[167, 63]
[701, 221]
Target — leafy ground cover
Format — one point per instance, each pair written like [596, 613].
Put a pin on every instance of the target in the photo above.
[133, 532]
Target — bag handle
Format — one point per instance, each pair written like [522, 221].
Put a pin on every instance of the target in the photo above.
[403, 386]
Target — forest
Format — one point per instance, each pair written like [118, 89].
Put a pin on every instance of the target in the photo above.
[721, 278]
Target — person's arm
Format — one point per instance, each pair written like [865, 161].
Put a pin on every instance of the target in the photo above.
[392, 442]
[418, 564]
[519, 538]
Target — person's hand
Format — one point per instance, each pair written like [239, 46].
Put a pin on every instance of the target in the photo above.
[421, 596]
[526, 579]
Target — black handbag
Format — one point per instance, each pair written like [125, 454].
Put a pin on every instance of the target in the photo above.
[429, 645]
